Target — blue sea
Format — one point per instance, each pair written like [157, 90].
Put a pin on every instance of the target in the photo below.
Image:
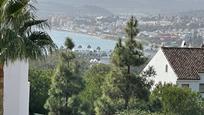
[82, 39]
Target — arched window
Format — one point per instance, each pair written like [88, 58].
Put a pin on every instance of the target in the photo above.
[166, 68]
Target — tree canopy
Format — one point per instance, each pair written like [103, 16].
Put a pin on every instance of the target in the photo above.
[40, 81]
[65, 84]
[178, 101]
[94, 79]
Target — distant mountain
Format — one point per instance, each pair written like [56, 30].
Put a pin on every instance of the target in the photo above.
[89, 10]
[62, 9]
[119, 6]
[194, 13]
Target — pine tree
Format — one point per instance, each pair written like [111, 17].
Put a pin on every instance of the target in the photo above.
[94, 79]
[122, 86]
[127, 55]
[131, 52]
[66, 84]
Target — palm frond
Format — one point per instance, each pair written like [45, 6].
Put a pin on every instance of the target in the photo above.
[41, 39]
[37, 23]
[15, 6]
[18, 40]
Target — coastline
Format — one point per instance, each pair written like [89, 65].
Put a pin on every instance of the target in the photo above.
[103, 36]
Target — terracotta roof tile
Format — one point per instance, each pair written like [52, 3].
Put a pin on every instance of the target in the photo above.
[186, 62]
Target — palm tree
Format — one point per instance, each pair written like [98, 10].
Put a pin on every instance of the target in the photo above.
[21, 34]
[21, 37]
[80, 46]
[98, 48]
[69, 44]
[89, 46]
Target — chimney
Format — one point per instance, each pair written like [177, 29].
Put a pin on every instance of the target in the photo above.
[183, 44]
[162, 44]
[202, 45]
[190, 46]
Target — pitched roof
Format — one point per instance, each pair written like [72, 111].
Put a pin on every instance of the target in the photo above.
[186, 62]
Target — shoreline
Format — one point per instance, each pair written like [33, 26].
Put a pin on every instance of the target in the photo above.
[97, 37]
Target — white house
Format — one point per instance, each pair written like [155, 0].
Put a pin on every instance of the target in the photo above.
[16, 88]
[179, 65]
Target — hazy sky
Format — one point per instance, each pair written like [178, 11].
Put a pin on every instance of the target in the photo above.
[123, 6]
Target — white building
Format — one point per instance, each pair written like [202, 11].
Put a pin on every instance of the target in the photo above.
[16, 88]
[181, 66]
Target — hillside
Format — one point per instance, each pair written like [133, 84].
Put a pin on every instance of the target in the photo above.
[194, 13]
[86, 10]
[72, 7]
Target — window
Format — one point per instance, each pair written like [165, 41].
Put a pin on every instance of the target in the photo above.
[166, 68]
[185, 85]
[201, 88]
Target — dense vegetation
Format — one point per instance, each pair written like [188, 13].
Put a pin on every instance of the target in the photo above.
[40, 84]
[76, 88]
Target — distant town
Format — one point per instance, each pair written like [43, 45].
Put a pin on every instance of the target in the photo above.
[157, 30]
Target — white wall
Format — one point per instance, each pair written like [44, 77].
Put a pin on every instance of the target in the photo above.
[159, 63]
[193, 84]
[16, 88]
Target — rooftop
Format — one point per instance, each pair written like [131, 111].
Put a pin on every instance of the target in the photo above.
[186, 62]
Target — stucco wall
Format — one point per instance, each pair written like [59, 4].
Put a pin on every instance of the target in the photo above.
[159, 63]
[193, 84]
[16, 88]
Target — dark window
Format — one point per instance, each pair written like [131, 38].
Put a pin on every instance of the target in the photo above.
[185, 85]
[201, 88]
[166, 68]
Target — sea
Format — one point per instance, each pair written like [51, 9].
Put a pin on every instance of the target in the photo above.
[84, 40]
